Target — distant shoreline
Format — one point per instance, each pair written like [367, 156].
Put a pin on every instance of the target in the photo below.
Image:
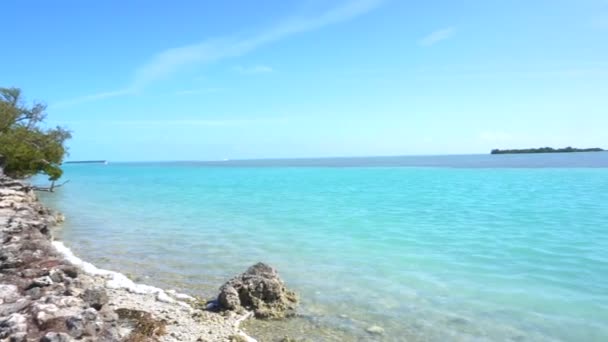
[87, 162]
[546, 150]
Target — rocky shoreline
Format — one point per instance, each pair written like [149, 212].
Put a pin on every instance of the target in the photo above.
[48, 294]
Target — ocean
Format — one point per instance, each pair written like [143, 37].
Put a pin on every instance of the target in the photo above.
[431, 248]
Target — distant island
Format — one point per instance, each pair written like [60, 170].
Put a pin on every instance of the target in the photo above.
[547, 150]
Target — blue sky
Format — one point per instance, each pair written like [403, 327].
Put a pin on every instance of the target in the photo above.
[208, 80]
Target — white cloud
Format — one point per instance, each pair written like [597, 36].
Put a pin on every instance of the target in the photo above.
[437, 36]
[256, 69]
[170, 61]
[92, 97]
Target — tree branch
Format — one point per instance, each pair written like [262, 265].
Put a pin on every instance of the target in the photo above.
[50, 188]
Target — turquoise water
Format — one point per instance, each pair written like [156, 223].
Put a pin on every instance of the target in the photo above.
[469, 249]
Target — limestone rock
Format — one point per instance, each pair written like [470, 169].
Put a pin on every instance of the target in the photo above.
[42, 282]
[45, 297]
[75, 325]
[13, 324]
[19, 337]
[95, 297]
[8, 293]
[10, 308]
[70, 271]
[261, 290]
[56, 337]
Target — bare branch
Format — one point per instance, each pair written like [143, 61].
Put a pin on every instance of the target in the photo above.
[50, 188]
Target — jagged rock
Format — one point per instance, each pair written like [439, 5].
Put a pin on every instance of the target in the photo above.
[92, 324]
[34, 292]
[56, 337]
[108, 315]
[62, 301]
[13, 324]
[261, 290]
[75, 325]
[18, 337]
[229, 298]
[96, 297]
[32, 273]
[41, 282]
[56, 275]
[85, 324]
[10, 308]
[8, 294]
[70, 271]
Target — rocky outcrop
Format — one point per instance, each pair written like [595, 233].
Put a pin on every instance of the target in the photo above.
[39, 296]
[44, 297]
[261, 290]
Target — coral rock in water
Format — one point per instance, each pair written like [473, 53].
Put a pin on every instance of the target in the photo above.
[261, 290]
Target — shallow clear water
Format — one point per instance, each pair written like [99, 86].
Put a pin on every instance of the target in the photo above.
[472, 248]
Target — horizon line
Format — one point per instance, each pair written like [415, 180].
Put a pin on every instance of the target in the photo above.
[303, 158]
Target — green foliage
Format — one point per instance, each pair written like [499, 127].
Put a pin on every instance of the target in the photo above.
[547, 150]
[28, 147]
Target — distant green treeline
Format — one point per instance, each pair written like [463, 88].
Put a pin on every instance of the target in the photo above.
[547, 150]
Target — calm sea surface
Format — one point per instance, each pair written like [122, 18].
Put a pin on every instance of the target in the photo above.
[446, 248]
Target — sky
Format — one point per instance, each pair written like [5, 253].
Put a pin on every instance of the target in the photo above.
[211, 80]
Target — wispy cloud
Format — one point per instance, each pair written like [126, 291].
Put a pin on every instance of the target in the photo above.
[173, 60]
[437, 36]
[256, 69]
[92, 97]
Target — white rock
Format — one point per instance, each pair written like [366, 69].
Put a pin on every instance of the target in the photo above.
[375, 329]
[14, 323]
[8, 293]
[180, 296]
[161, 296]
[43, 281]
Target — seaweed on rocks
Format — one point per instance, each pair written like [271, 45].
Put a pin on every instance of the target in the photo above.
[144, 326]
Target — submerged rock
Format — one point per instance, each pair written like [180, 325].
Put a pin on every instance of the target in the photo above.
[375, 330]
[261, 290]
